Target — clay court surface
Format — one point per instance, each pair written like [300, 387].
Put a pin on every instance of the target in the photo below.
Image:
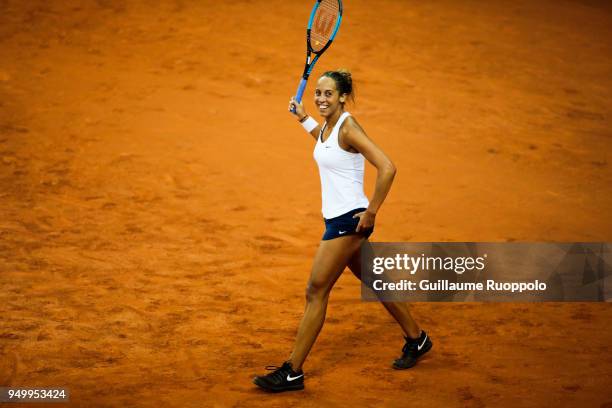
[159, 208]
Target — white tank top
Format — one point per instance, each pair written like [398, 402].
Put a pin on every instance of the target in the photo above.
[341, 174]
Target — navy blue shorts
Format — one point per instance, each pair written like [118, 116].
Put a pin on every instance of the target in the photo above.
[343, 225]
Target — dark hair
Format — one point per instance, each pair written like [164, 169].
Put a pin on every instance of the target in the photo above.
[344, 82]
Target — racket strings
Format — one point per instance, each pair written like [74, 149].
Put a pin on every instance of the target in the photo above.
[323, 24]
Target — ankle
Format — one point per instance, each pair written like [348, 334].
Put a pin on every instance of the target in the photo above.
[294, 368]
[417, 335]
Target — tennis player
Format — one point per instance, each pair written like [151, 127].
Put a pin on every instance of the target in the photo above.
[341, 146]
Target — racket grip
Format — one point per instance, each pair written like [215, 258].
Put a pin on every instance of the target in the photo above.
[300, 92]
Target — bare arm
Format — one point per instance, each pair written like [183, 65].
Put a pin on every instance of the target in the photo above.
[301, 114]
[355, 137]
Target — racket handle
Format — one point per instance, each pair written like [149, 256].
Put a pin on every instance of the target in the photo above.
[300, 92]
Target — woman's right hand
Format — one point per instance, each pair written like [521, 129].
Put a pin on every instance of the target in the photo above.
[299, 108]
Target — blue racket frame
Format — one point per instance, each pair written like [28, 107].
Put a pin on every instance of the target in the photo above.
[310, 62]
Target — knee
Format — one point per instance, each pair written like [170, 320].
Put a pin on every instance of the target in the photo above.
[315, 291]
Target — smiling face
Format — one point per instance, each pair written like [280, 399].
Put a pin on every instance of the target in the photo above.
[327, 97]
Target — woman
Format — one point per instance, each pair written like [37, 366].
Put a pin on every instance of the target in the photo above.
[349, 218]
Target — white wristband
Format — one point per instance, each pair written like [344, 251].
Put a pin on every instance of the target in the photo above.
[309, 124]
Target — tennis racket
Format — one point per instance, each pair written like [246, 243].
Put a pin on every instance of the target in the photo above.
[322, 28]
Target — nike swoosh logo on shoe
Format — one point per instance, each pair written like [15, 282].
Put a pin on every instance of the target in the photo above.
[289, 378]
[420, 346]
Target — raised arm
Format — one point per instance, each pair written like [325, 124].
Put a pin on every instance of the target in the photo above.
[303, 117]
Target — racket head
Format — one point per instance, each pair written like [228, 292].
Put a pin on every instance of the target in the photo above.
[323, 25]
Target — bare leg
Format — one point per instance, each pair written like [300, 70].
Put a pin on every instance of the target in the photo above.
[398, 310]
[329, 263]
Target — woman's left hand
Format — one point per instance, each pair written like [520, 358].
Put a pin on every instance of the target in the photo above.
[366, 220]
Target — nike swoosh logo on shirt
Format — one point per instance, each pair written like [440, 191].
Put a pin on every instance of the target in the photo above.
[422, 344]
[341, 232]
[289, 378]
